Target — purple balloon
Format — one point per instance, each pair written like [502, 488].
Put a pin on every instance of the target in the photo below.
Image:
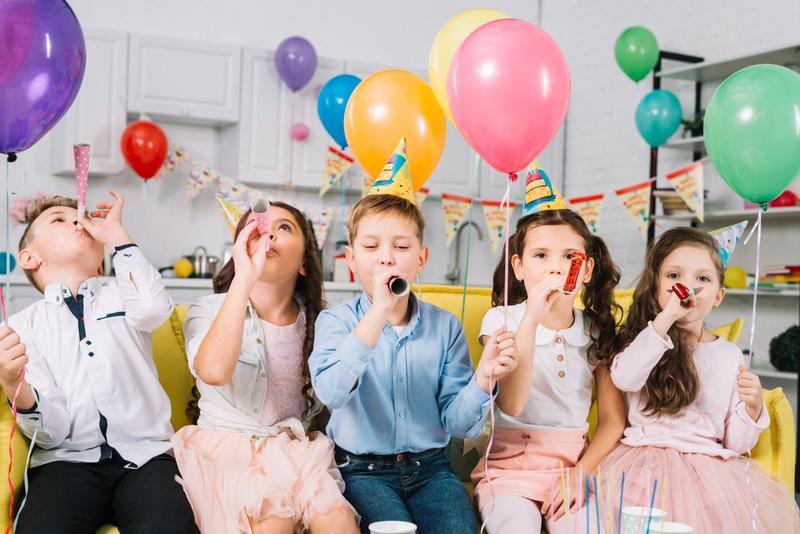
[42, 60]
[296, 60]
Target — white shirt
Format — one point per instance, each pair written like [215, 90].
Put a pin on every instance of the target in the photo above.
[106, 379]
[561, 394]
[238, 405]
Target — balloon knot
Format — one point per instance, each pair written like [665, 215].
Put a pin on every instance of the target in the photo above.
[512, 176]
[12, 157]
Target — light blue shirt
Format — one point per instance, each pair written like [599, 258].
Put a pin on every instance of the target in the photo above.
[408, 393]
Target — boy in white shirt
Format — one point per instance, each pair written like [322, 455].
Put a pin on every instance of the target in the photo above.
[90, 387]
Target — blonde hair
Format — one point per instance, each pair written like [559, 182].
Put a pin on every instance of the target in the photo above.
[34, 210]
[373, 204]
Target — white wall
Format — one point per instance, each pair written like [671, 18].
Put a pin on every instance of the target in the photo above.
[157, 215]
[604, 149]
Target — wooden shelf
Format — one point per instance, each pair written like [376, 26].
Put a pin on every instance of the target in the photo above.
[689, 144]
[708, 71]
[769, 372]
[772, 213]
[765, 292]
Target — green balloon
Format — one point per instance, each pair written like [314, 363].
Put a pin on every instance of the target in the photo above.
[752, 131]
[636, 51]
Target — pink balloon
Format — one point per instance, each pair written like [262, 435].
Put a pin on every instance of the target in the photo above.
[300, 132]
[508, 88]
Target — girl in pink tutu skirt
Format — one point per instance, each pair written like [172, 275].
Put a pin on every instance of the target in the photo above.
[693, 407]
[250, 465]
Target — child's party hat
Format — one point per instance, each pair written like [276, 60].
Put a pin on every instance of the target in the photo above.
[395, 178]
[232, 210]
[727, 238]
[541, 194]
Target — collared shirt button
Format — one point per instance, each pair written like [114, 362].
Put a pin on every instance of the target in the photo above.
[364, 359]
[400, 379]
[559, 339]
[401, 414]
[562, 374]
[91, 354]
[560, 357]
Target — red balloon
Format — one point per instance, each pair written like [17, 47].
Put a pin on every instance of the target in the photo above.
[144, 147]
[787, 199]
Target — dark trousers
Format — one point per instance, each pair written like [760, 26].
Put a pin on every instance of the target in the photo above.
[79, 498]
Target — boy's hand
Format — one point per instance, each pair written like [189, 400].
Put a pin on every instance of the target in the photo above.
[382, 297]
[249, 265]
[109, 231]
[13, 357]
[499, 358]
[748, 386]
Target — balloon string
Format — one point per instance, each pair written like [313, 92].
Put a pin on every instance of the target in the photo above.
[8, 239]
[757, 229]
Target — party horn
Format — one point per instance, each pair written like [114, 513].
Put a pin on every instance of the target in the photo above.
[261, 215]
[399, 286]
[81, 152]
[574, 269]
[685, 294]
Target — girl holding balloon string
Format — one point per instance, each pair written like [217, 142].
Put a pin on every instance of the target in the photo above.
[693, 408]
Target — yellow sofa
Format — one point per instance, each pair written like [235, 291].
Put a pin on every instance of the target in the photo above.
[775, 450]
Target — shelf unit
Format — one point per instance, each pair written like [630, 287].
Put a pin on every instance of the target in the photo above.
[726, 215]
[688, 144]
[770, 372]
[709, 71]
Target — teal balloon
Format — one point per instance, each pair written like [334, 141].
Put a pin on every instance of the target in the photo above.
[636, 52]
[658, 116]
[332, 103]
[7, 263]
[752, 131]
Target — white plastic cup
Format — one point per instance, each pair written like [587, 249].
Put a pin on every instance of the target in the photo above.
[392, 527]
[670, 528]
[634, 519]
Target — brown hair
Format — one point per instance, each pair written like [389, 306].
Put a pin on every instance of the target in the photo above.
[309, 287]
[371, 204]
[598, 296]
[34, 210]
[673, 383]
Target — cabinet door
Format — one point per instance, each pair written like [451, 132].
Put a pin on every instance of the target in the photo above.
[97, 116]
[308, 157]
[455, 172]
[189, 81]
[255, 150]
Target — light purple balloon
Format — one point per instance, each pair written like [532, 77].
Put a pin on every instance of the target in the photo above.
[42, 60]
[296, 61]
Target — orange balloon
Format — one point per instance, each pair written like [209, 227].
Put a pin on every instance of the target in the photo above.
[386, 106]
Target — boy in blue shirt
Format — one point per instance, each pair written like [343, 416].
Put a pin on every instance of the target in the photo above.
[396, 374]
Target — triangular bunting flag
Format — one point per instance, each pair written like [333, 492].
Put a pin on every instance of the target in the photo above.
[175, 156]
[589, 209]
[495, 213]
[688, 182]
[320, 219]
[727, 238]
[421, 195]
[636, 199]
[232, 210]
[335, 166]
[199, 177]
[540, 192]
[455, 209]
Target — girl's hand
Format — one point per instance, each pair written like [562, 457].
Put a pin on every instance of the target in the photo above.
[541, 299]
[249, 265]
[553, 506]
[499, 358]
[748, 385]
[672, 312]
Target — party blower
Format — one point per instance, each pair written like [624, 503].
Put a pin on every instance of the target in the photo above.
[261, 216]
[684, 294]
[399, 286]
[574, 270]
[81, 153]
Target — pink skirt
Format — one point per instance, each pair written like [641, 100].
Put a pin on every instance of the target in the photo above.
[708, 493]
[231, 478]
[526, 462]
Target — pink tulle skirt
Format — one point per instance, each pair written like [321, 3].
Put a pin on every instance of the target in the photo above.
[231, 478]
[708, 493]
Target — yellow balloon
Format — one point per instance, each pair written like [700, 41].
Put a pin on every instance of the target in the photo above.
[386, 106]
[735, 277]
[183, 268]
[447, 42]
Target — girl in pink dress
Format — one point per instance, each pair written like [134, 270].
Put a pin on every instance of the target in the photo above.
[542, 407]
[250, 464]
[693, 407]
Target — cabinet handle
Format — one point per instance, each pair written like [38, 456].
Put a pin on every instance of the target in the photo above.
[186, 112]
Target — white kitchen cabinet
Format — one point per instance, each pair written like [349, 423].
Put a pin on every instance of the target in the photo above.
[98, 115]
[184, 81]
[308, 157]
[256, 149]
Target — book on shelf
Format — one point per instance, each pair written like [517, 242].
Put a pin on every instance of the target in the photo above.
[782, 270]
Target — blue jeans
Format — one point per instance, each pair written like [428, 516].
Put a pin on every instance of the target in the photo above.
[420, 488]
